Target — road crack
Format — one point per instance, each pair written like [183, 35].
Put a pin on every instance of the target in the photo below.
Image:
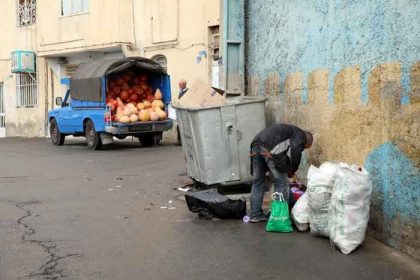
[49, 269]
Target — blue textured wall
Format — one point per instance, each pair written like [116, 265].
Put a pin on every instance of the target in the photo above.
[377, 43]
[397, 193]
[304, 35]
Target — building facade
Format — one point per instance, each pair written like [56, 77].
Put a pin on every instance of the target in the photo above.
[50, 38]
[349, 71]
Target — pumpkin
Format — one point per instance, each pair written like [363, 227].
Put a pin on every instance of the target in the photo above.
[140, 106]
[158, 95]
[134, 118]
[146, 104]
[125, 119]
[162, 115]
[154, 116]
[134, 97]
[124, 95]
[157, 103]
[144, 115]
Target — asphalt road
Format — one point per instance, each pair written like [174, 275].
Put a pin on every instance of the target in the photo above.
[71, 213]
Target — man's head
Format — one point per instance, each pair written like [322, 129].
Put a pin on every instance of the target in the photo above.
[309, 139]
[182, 84]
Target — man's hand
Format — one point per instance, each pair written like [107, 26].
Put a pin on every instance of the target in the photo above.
[290, 174]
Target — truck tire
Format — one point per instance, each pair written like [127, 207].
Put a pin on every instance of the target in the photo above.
[92, 137]
[147, 140]
[57, 138]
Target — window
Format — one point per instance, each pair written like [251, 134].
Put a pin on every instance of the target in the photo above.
[70, 7]
[161, 59]
[26, 12]
[26, 90]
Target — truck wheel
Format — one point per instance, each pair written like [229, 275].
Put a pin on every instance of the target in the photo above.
[92, 137]
[147, 140]
[57, 138]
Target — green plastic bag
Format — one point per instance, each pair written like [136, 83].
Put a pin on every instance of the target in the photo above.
[279, 220]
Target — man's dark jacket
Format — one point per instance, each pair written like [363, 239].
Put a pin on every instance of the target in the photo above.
[285, 143]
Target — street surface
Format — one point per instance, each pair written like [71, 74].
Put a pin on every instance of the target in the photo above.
[71, 213]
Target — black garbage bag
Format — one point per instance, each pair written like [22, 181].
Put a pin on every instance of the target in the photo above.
[210, 203]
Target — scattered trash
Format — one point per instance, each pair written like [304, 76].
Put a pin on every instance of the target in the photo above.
[184, 189]
[110, 189]
[210, 204]
[296, 192]
[118, 186]
[170, 201]
[151, 203]
[88, 178]
[120, 178]
[300, 213]
[182, 220]
[246, 219]
[147, 209]
[163, 207]
[125, 217]
[172, 208]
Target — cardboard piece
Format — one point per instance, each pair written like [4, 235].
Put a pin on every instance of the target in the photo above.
[201, 95]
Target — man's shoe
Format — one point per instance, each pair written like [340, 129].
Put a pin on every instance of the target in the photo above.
[259, 219]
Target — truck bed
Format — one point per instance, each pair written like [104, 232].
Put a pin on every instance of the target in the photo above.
[117, 128]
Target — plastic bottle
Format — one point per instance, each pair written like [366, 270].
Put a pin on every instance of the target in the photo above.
[246, 219]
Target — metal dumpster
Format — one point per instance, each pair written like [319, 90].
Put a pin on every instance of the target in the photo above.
[216, 140]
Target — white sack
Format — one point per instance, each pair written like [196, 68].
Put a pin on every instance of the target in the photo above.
[320, 184]
[300, 213]
[349, 209]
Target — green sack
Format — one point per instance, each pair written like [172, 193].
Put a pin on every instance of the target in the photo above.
[279, 220]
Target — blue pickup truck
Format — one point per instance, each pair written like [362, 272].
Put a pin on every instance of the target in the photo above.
[84, 111]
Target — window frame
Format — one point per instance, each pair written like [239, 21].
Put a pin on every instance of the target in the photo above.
[81, 12]
[24, 10]
[27, 93]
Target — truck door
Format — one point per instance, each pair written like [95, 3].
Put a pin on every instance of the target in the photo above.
[66, 115]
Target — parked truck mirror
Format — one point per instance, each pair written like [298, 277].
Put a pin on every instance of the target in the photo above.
[59, 101]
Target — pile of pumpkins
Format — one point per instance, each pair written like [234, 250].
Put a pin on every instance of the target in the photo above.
[130, 98]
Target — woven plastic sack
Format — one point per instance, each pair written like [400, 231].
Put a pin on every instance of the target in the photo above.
[279, 220]
[300, 213]
[320, 184]
[349, 208]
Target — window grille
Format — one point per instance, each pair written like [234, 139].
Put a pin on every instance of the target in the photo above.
[70, 7]
[26, 90]
[26, 12]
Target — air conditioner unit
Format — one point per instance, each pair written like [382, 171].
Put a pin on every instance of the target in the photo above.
[23, 62]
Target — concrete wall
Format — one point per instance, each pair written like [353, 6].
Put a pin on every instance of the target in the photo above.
[181, 35]
[105, 24]
[147, 27]
[350, 72]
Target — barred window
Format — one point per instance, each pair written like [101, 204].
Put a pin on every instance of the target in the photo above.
[70, 7]
[26, 90]
[26, 12]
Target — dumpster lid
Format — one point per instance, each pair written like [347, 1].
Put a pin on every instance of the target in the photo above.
[231, 101]
[85, 84]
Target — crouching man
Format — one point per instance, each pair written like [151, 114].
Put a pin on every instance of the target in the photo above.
[278, 149]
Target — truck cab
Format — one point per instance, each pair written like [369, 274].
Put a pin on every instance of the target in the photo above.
[84, 111]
